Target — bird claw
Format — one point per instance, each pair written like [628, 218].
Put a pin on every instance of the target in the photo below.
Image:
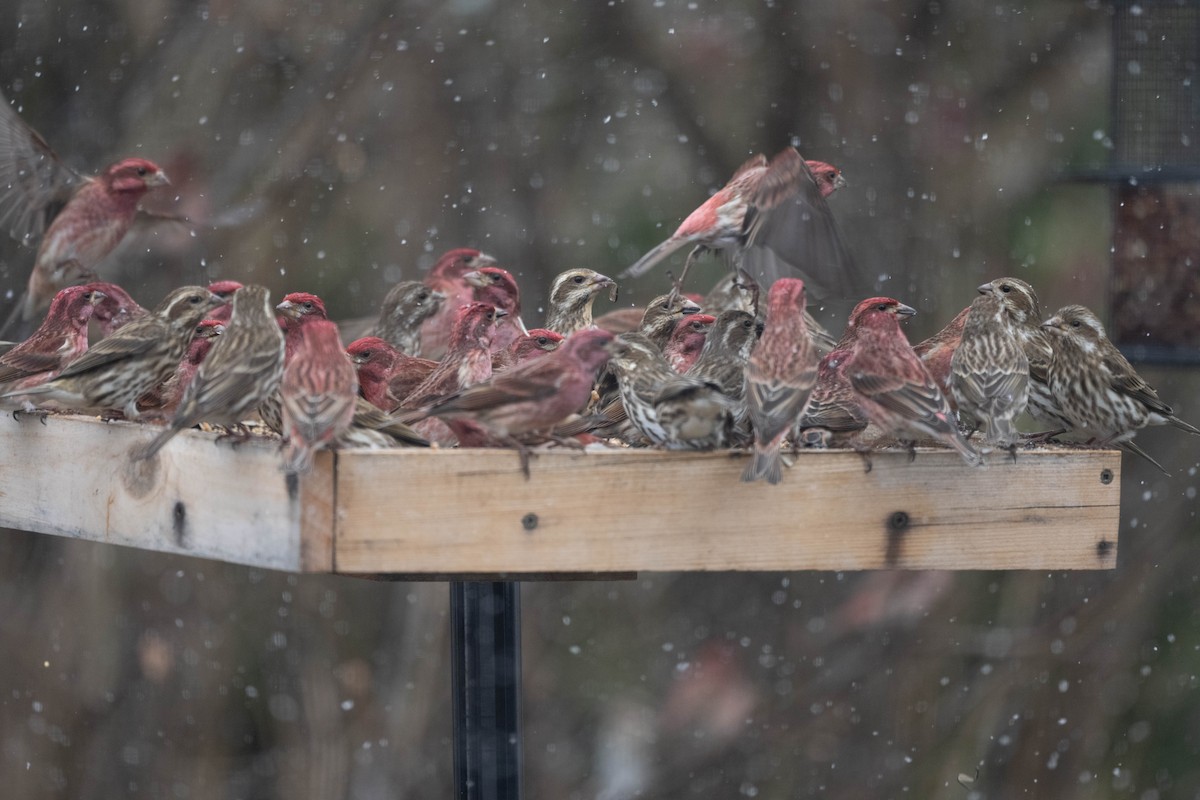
[40, 414]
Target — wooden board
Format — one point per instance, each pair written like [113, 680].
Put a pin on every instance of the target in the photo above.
[427, 513]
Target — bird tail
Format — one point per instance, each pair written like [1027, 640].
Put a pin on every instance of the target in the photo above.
[648, 261]
[297, 458]
[1130, 447]
[156, 444]
[766, 464]
[968, 453]
[1183, 426]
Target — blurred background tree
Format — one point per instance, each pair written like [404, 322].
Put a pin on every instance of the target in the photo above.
[371, 136]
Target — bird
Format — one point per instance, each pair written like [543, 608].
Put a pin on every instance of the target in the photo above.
[225, 290]
[498, 287]
[937, 351]
[60, 339]
[662, 314]
[1098, 391]
[572, 294]
[164, 399]
[116, 308]
[318, 392]
[119, 369]
[892, 385]
[405, 308]
[537, 342]
[243, 367]
[446, 277]
[780, 377]
[80, 219]
[373, 359]
[989, 373]
[687, 341]
[778, 204]
[1025, 315]
[296, 309]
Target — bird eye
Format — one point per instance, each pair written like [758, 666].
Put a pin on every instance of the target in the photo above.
[882, 307]
[1075, 323]
[195, 299]
[542, 340]
[423, 296]
[577, 279]
[1004, 287]
[141, 171]
[308, 306]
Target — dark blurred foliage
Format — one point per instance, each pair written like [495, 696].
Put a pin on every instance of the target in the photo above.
[369, 137]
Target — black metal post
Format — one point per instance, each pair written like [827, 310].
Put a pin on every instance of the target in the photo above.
[485, 648]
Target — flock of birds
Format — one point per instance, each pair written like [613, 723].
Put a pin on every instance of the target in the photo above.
[450, 360]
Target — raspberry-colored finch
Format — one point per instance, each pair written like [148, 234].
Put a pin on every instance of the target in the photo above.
[537, 342]
[687, 341]
[165, 399]
[1097, 389]
[242, 368]
[295, 310]
[469, 360]
[446, 276]
[780, 377]
[60, 339]
[118, 370]
[405, 308]
[318, 391]
[937, 350]
[534, 396]
[116, 309]
[989, 374]
[80, 219]
[572, 295]
[802, 235]
[498, 287]
[893, 386]
[373, 359]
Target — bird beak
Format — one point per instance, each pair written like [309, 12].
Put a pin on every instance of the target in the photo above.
[97, 296]
[475, 278]
[288, 309]
[839, 182]
[157, 179]
[501, 313]
[689, 308]
[905, 311]
[1054, 323]
[985, 288]
[358, 358]
[437, 297]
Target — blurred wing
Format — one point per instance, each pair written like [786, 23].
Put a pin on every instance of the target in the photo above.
[131, 340]
[913, 401]
[18, 365]
[537, 380]
[790, 232]
[34, 183]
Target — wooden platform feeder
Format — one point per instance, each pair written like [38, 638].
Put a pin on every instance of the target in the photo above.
[435, 513]
[471, 515]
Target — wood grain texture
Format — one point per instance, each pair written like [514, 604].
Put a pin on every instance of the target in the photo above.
[72, 476]
[432, 513]
[473, 511]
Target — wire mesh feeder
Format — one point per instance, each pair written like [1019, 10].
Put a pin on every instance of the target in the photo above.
[1156, 169]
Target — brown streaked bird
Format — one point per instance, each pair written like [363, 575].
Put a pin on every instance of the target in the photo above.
[989, 373]
[572, 294]
[119, 369]
[404, 310]
[1096, 388]
[242, 369]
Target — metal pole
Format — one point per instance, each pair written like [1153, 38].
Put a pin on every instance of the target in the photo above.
[485, 648]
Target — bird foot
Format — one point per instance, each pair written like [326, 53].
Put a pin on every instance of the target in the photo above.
[40, 414]
[238, 434]
[1042, 437]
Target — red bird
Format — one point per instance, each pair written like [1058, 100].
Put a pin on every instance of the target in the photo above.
[165, 399]
[937, 351]
[223, 290]
[778, 205]
[537, 342]
[386, 375]
[295, 310]
[687, 341]
[892, 385]
[80, 219]
[116, 309]
[60, 339]
[318, 392]
[446, 276]
[531, 397]
[499, 288]
[469, 360]
[780, 377]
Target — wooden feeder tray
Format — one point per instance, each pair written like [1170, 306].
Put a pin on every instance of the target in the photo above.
[472, 514]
